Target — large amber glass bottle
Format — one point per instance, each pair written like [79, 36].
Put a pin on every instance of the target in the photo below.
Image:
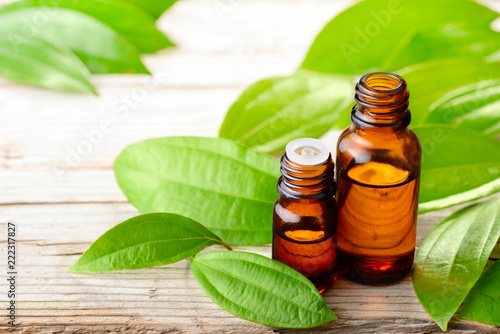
[305, 215]
[378, 172]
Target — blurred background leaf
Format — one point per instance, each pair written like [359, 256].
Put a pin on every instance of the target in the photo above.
[153, 7]
[43, 64]
[385, 35]
[136, 26]
[445, 41]
[108, 36]
[100, 48]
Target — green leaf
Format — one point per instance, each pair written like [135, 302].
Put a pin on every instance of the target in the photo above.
[127, 20]
[225, 186]
[428, 82]
[474, 106]
[43, 64]
[275, 111]
[260, 290]
[396, 34]
[483, 303]
[153, 7]
[458, 165]
[149, 240]
[452, 39]
[101, 48]
[452, 256]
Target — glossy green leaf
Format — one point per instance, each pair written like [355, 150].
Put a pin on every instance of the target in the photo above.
[101, 48]
[429, 82]
[483, 302]
[452, 256]
[259, 289]
[153, 7]
[476, 106]
[43, 64]
[441, 41]
[387, 35]
[275, 111]
[129, 21]
[149, 240]
[458, 165]
[225, 186]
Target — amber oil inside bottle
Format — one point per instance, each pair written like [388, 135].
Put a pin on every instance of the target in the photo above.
[305, 215]
[378, 171]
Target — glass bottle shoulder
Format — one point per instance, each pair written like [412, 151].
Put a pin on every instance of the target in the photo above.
[398, 148]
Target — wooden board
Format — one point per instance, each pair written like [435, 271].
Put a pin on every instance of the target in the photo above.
[167, 299]
[58, 185]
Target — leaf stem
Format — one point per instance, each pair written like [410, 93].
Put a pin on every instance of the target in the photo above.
[226, 245]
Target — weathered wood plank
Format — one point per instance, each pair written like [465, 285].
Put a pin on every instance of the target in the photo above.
[52, 237]
[69, 132]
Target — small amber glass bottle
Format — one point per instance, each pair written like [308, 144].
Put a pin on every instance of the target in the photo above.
[305, 214]
[378, 172]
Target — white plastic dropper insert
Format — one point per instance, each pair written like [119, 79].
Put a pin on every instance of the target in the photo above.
[307, 151]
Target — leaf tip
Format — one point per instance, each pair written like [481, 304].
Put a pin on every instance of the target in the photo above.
[442, 322]
[73, 269]
[77, 267]
[332, 316]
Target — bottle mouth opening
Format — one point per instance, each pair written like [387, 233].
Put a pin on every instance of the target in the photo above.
[382, 100]
[381, 88]
[383, 82]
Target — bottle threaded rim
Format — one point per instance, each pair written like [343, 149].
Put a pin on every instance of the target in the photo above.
[307, 181]
[382, 100]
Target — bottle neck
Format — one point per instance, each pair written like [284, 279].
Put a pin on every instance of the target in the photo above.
[381, 102]
[306, 182]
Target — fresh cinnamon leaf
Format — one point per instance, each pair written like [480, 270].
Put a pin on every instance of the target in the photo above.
[225, 186]
[149, 240]
[260, 290]
[452, 256]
